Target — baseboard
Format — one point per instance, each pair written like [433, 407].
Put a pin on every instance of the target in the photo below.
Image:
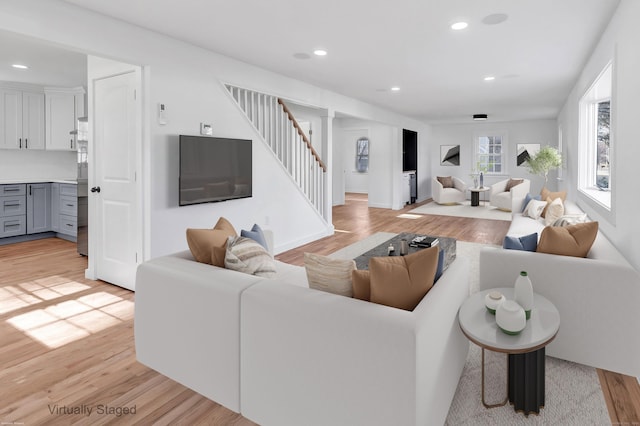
[26, 237]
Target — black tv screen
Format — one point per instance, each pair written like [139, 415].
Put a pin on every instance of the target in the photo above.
[214, 169]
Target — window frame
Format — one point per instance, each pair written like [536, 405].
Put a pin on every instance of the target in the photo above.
[503, 152]
[601, 90]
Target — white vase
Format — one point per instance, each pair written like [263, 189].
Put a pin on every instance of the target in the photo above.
[510, 317]
[523, 293]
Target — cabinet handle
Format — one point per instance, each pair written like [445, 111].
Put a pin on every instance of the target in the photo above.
[13, 225]
[20, 142]
[69, 205]
[11, 189]
[71, 144]
[26, 143]
[12, 205]
[29, 190]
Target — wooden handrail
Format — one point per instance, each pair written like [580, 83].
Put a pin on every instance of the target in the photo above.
[301, 133]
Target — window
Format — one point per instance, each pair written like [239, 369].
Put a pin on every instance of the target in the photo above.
[489, 153]
[595, 142]
[362, 155]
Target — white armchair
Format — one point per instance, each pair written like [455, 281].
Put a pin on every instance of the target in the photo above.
[442, 195]
[509, 200]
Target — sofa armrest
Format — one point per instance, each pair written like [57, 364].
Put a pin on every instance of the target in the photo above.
[459, 184]
[498, 187]
[518, 194]
[436, 188]
[597, 301]
[338, 360]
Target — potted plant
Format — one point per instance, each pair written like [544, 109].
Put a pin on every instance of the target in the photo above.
[543, 161]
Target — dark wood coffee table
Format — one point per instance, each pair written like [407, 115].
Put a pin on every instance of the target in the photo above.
[448, 245]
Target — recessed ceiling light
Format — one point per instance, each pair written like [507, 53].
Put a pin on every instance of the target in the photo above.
[489, 78]
[459, 25]
[495, 19]
[395, 88]
[320, 52]
[20, 66]
[479, 117]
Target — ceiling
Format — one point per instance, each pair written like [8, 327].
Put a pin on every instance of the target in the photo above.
[535, 55]
[48, 65]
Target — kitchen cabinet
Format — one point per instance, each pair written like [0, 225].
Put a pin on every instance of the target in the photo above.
[63, 108]
[12, 210]
[68, 210]
[23, 119]
[38, 207]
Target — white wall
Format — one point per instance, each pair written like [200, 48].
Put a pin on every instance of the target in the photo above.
[188, 80]
[37, 164]
[619, 42]
[543, 132]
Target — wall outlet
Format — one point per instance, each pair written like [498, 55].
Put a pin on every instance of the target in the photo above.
[162, 114]
[206, 129]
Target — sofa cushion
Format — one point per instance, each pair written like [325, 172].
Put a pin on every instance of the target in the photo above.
[256, 234]
[209, 245]
[534, 209]
[526, 242]
[328, 274]
[570, 219]
[545, 193]
[528, 198]
[511, 183]
[446, 181]
[573, 240]
[361, 284]
[555, 209]
[246, 255]
[402, 281]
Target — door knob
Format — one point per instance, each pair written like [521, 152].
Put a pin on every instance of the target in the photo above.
[95, 189]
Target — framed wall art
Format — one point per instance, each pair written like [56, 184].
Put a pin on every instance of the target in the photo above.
[526, 150]
[449, 155]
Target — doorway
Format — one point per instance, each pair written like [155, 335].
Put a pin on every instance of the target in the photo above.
[410, 161]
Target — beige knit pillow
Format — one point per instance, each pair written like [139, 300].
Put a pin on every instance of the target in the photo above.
[246, 255]
[555, 210]
[330, 275]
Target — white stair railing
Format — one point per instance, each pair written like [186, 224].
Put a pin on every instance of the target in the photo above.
[282, 133]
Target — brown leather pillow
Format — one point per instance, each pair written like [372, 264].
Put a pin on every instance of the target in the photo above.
[210, 245]
[361, 284]
[573, 240]
[511, 183]
[402, 281]
[545, 194]
[446, 181]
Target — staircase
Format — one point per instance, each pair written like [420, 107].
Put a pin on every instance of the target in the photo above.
[281, 132]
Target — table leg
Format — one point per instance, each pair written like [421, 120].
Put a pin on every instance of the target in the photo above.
[526, 381]
[500, 404]
[475, 198]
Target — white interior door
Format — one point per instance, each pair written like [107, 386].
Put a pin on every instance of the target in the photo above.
[115, 141]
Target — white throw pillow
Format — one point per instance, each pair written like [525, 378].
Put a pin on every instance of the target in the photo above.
[330, 275]
[248, 256]
[570, 219]
[534, 209]
[554, 211]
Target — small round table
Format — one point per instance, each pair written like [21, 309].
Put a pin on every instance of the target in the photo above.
[526, 365]
[475, 195]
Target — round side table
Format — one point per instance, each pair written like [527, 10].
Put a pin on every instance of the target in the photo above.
[475, 195]
[526, 360]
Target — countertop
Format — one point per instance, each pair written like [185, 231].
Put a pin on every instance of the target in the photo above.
[72, 181]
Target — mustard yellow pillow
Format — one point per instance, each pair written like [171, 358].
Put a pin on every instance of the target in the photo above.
[573, 240]
[210, 245]
[402, 281]
[361, 284]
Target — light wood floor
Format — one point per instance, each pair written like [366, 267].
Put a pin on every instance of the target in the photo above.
[67, 342]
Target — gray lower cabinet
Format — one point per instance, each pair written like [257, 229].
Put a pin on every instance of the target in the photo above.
[68, 210]
[13, 208]
[55, 207]
[38, 207]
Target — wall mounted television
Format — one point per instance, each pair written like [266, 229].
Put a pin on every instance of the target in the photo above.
[214, 169]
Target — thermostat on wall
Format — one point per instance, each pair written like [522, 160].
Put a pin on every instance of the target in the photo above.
[206, 129]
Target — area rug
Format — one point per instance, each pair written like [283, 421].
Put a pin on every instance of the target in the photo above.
[483, 211]
[573, 392]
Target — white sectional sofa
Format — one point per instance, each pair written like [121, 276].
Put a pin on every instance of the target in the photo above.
[598, 296]
[280, 353]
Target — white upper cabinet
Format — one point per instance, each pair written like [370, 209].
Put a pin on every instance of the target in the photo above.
[22, 115]
[63, 108]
